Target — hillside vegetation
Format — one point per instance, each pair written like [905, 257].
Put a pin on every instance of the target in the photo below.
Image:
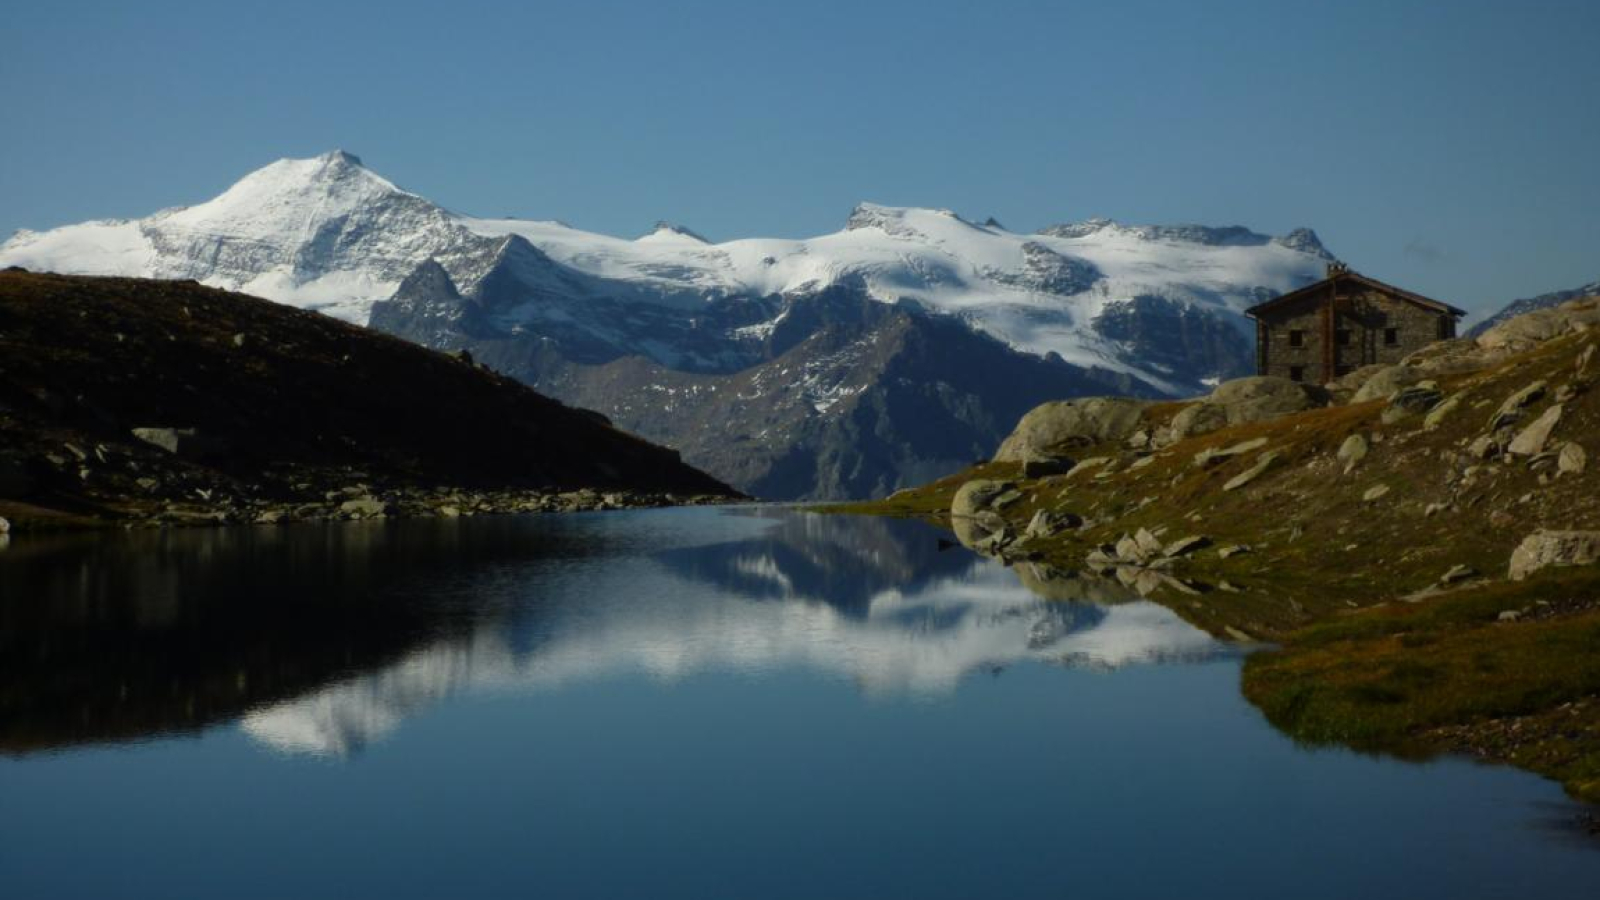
[133, 399]
[1370, 535]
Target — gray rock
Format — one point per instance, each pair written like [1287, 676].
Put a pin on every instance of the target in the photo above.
[364, 508]
[1213, 455]
[1057, 430]
[1386, 382]
[1457, 573]
[972, 514]
[1128, 550]
[1376, 492]
[5, 525]
[1510, 410]
[1527, 331]
[1544, 549]
[1483, 447]
[1572, 460]
[1581, 366]
[1149, 544]
[1245, 400]
[1184, 545]
[1508, 615]
[1199, 418]
[1232, 550]
[185, 442]
[1007, 499]
[1438, 414]
[1262, 464]
[1046, 523]
[1418, 398]
[1353, 451]
[1532, 439]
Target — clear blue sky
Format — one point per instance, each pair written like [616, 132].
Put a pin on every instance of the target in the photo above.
[1452, 147]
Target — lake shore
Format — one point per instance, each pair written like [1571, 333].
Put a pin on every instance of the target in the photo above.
[1372, 543]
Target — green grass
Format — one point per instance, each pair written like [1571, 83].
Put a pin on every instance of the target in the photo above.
[1447, 675]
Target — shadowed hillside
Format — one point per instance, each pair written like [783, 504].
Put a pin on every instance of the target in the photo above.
[130, 397]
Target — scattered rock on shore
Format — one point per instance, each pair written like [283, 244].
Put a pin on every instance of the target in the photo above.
[1544, 549]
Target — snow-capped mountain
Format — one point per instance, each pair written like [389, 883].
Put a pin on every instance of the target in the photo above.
[329, 234]
[1147, 309]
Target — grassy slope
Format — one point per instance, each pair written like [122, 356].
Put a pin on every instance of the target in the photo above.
[1329, 572]
[303, 402]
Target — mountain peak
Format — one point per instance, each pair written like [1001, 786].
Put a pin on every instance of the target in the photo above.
[341, 157]
[667, 231]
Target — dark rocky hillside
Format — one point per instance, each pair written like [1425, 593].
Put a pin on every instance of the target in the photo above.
[131, 397]
[854, 397]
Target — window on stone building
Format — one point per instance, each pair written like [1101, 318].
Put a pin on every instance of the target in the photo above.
[1343, 337]
[1297, 373]
[1297, 338]
[1391, 336]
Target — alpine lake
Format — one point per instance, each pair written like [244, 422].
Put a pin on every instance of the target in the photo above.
[750, 702]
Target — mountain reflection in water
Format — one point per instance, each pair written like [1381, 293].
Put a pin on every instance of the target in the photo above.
[324, 638]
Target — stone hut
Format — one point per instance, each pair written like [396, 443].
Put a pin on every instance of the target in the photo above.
[1343, 322]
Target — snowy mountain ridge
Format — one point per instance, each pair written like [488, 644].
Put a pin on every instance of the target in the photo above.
[328, 233]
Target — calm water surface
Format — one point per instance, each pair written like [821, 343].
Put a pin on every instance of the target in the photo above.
[746, 703]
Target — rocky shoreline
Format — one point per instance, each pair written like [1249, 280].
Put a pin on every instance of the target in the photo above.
[1420, 542]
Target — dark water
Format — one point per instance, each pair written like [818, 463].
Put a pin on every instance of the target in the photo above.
[692, 703]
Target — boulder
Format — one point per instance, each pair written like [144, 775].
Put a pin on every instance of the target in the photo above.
[1214, 455]
[1048, 522]
[5, 525]
[1057, 430]
[1262, 464]
[1346, 386]
[1245, 400]
[368, 507]
[1511, 408]
[1483, 446]
[1386, 382]
[1572, 459]
[1438, 414]
[1544, 549]
[185, 442]
[1529, 330]
[1353, 451]
[1408, 401]
[1197, 418]
[1455, 356]
[1184, 545]
[972, 514]
[1376, 492]
[1531, 440]
[1149, 545]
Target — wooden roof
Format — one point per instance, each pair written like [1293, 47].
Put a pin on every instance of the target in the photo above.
[1399, 293]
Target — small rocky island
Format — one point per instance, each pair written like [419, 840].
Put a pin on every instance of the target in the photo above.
[164, 402]
[1419, 539]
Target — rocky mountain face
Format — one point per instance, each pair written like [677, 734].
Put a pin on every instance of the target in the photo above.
[852, 398]
[907, 316]
[1529, 304]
